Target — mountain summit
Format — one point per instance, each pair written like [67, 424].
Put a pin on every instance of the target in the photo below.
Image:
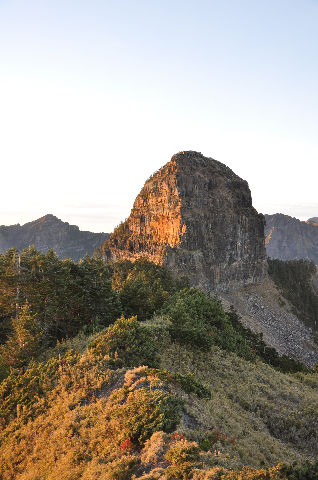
[51, 232]
[195, 216]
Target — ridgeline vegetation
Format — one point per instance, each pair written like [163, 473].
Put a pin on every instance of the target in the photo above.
[120, 372]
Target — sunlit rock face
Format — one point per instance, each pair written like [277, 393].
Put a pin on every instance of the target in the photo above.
[196, 217]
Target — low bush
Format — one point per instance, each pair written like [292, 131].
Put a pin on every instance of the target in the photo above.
[187, 382]
[216, 436]
[199, 322]
[183, 457]
[122, 468]
[304, 471]
[138, 414]
[20, 391]
[126, 343]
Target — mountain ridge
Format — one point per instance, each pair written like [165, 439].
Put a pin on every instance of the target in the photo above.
[288, 238]
[50, 232]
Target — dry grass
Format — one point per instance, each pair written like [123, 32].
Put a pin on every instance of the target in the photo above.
[273, 416]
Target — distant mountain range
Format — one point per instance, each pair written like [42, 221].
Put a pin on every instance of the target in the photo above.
[68, 241]
[288, 238]
[313, 221]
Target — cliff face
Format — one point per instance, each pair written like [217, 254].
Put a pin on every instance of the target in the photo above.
[196, 217]
[68, 241]
[288, 238]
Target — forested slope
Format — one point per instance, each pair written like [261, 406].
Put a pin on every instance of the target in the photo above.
[150, 380]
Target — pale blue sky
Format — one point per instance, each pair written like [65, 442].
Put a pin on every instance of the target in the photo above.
[96, 95]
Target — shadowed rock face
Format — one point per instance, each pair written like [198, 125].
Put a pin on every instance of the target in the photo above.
[288, 238]
[196, 217]
[68, 241]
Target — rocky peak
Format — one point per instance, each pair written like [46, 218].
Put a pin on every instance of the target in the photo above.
[51, 232]
[195, 216]
[47, 218]
[288, 238]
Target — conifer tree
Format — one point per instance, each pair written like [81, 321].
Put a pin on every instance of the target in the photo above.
[24, 341]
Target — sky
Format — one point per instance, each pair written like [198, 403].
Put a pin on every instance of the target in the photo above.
[97, 95]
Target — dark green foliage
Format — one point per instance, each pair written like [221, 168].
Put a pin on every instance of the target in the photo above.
[305, 471]
[24, 341]
[126, 343]
[143, 286]
[194, 318]
[5, 328]
[294, 279]
[187, 382]
[200, 322]
[98, 301]
[65, 296]
[191, 385]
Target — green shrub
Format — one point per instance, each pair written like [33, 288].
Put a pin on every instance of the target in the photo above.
[24, 342]
[216, 436]
[305, 471]
[183, 451]
[143, 286]
[183, 457]
[20, 391]
[138, 414]
[200, 322]
[64, 295]
[187, 382]
[126, 343]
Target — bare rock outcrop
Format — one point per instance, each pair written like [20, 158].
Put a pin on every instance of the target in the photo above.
[195, 216]
[264, 310]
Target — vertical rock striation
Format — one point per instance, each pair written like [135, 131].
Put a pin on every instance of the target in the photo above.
[288, 238]
[196, 217]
